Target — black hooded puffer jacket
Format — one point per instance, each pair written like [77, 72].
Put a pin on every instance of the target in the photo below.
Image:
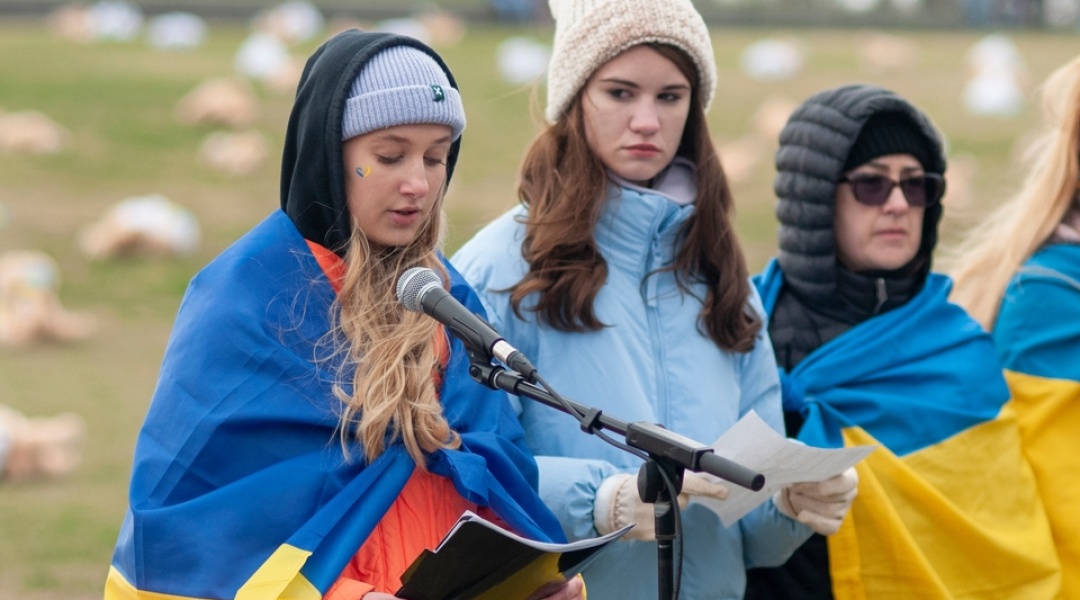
[813, 148]
[820, 299]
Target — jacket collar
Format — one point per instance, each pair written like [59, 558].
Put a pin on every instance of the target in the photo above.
[639, 226]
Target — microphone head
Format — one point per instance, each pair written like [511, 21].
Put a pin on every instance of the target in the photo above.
[413, 284]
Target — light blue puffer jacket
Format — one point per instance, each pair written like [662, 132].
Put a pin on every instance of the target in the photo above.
[652, 364]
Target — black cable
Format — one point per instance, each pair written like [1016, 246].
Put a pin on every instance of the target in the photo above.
[677, 513]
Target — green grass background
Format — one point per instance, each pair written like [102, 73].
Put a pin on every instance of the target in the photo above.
[117, 101]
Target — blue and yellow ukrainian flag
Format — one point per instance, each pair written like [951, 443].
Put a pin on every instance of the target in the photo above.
[947, 505]
[1037, 335]
[239, 488]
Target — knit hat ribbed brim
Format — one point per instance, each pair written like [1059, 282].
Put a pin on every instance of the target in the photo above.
[589, 33]
[401, 85]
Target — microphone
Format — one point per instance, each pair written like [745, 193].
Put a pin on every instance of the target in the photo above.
[420, 290]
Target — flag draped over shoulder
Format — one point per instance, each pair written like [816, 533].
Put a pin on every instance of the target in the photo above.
[1037, 334]
[239, 487]
[947, 505]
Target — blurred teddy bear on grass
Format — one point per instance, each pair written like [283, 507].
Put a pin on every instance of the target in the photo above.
[39, 448]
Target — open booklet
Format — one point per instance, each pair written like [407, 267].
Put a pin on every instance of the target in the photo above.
[478, 559]
[755, 445]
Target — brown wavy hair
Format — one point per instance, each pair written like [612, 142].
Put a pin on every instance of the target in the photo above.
[563, 185]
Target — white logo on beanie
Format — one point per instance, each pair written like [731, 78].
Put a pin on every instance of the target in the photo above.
[401, 85]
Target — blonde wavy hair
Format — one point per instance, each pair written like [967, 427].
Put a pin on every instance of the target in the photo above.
[390, 352]
[996, 248]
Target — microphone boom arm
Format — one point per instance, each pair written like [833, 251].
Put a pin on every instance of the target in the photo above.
[649, 437]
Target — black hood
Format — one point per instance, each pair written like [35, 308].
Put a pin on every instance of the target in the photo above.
[814, 146]
[312, 171]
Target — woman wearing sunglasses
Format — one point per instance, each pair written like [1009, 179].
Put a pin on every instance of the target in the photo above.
[871, 352]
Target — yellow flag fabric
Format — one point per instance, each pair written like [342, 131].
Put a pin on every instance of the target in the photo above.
[1037, 336]
[958, 519]
[1050, 421]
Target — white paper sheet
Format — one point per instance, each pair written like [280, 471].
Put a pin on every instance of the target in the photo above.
[753, 444]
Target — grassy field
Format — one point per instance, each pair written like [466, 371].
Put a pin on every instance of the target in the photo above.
[117, 102]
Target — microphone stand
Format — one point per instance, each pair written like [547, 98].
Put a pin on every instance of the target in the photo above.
[669, 455]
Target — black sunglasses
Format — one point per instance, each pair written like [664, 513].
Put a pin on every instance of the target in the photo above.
[920, 191]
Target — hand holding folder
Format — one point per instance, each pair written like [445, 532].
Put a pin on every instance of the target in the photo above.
[480, 560]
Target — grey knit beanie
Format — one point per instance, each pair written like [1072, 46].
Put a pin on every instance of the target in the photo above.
[589, 33]
[401, 85]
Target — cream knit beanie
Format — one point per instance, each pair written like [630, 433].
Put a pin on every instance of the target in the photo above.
[588, 33]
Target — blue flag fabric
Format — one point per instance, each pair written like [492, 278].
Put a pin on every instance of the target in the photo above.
[239, 484]
[911, 377]
[948, 505]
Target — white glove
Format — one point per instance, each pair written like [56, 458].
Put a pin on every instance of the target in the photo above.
[617, 503]
[822, 505]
